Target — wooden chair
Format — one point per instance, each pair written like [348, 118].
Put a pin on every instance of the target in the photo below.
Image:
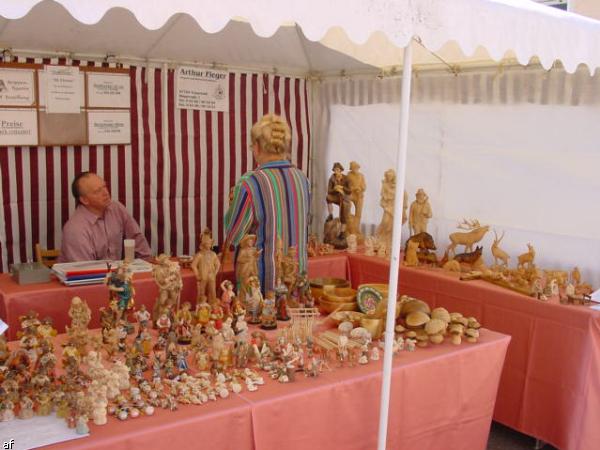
[46, 256]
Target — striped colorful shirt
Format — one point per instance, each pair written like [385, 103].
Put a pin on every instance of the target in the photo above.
[272, 201]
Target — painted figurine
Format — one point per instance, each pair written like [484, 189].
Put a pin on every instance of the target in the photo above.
[268, 319]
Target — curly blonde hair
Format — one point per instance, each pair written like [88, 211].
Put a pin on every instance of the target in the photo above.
[273, 135]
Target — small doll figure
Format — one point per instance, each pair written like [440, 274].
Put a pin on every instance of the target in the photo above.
[374, 353]
[268, 319]
[227, 297]
[281, 294]
[163, 324]
[254, 300]
[26, 405]
[203, 312]
[142, 315]
[182, 363]
[216, 315]
[183, 328]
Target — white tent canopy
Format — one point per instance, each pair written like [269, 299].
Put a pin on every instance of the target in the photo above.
[371, 31]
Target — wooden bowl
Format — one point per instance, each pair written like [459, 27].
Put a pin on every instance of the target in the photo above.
[317, 285]
[328, 307]
[340, 295]
[347, 316]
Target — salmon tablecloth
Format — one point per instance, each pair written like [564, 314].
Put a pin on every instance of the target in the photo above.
[53, 299]
[442, 397]
[550, 384]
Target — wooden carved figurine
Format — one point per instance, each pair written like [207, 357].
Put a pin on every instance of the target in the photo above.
[338, 193]
[290, 269]
[526, 258]
[357, 186]
[498, 253]
[167, 276]
[410, 257]
[388, 193]
[476, 234]
[205, 266]
[420, 213]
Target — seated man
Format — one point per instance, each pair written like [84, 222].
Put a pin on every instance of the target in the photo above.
[97, 228]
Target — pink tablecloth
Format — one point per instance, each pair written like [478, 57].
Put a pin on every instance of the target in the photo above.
[53, 299]
[442, 397]
[550, 385]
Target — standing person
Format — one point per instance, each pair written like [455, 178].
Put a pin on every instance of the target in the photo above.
[271, 201]
[420, 213]
[98, 226]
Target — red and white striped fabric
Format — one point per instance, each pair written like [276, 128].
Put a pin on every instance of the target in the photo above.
[174, 177]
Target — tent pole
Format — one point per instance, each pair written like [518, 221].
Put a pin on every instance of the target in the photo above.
[396, 242]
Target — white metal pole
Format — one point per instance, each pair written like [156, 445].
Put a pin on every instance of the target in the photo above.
[396, 241]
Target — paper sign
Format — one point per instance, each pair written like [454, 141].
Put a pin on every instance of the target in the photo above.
[109, 127]
[16, 87]
[108, 90]
[3, 327]
[203, 89]
[61, 89]
[18, 127]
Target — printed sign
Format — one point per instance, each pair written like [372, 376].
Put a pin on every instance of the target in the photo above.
[109, 127]
[63, 89]
[108, 90]
[18, 127]
[16, 87]
[204, 89]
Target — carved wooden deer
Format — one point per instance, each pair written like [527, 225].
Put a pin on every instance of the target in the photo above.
[470, 238]
[527, 258]
[498, 253]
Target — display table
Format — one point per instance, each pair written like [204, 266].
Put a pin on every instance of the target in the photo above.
[550, 385]
[53, 299]
[442, 397]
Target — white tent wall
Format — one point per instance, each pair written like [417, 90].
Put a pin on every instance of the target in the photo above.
[516, 149]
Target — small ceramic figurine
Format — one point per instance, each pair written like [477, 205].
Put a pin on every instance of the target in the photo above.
[370, 246]
[268, 320]
[227, 297]
[388, 194]
[254, 300]
[497, 252]
[26, 411]
[526, 259]
[281, 294]
[246, 264]
[476, 234]
[205, 266]
[80, 314]
[420, 213]
[142, 315]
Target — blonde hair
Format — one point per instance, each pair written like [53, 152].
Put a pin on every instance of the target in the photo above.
[273, 135]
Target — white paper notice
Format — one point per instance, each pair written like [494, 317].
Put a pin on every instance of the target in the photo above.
[36, 432]
[107, 90]
[18, 127]
[16, 87]
[61, 89]
[204, 89]
[109, 127]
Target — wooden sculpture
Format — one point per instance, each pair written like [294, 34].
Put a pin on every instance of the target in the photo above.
[527, 258]
[497, 252]
[246, 264]
[388, 193]
[420, 213]
[338, 193]
[410, 257]
[476, 234]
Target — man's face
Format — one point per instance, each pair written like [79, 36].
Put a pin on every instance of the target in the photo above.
[94, 193]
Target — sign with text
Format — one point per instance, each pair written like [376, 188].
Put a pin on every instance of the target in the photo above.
[109, 127]
[108, 90]
[16, 87]
[63, 89]
[18, 126]
[204, 89]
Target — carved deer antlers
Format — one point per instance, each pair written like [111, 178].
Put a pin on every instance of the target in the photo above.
[469, 224]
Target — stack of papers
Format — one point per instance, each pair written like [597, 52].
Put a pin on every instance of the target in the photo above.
[93, 272]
